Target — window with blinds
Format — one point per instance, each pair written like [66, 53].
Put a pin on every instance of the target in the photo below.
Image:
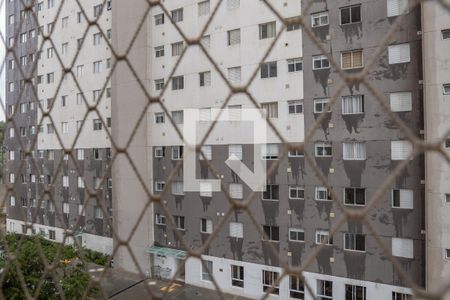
[234, 37]
[352, 59]
[203, 8]
[403, 247]
[177, 48]
[401, 150]
[269, 151]
[234, 75]
[178, 117]
[354, 151]
[353, 104]
[271, 109]
[235, 152]
[234, 112]
[402, 198]
[205, 189]
[399, 54]
[177, 15]
[205, 78]
[177, 188]
[236, 191]
[236, 230]
[401, 101]
[396, 7]
[233, 4]
[207, 151]
[267, 30]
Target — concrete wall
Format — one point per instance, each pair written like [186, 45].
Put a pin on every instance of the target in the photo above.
[436, 60]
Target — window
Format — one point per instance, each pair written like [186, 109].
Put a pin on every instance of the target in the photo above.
[401, 101]
[52, 235]
[23, 37]
[324, 289]
[296, 235]
[177, 48]
[206, 41]
[207, 269]
[203, 8]
[178, 117]
[206, 226]
[179, 222]
[159, 186]
[396, 7]
[159, 118]
[66, 208]
[80, 182]
[65, 127]
[269, 151]
[205, 78]
[97, 10]
[350, 14]
[352, 59]
[80, 154]
[237, 276]
[97, 124]
[11, 154]
[97, 38]
[267, 30]
[269, 69]
[11, 19]
[354, 241]
[352, 104]
[207, 152]
[322, 194]
[178, 83]
[11, 64]
[160, 219]
[320, 62]
[65, 181]
[323, 149]
[295, 65]
[355, 292]
[403, 247]
[159, 19]
[271, 109]
[296, 287]
[272, 233]
[401, 296]
[23, 60]
[319, 19]
[399, 54]
[235, 152]
[64, 22]
[81, 210]
[80, 70]
[12, 178]
[11, 87]
[401, 150]
[177, 188]
[292, 26]
[205, 189]
[295, 107]
[233, 4]
[177, 152]
[296, 192]
[234, 37]
[97, 66]
[159, 84]
[236, 190]
[234, 75]
[446, 89]
[447, 143]
[50, 77]
[447, 253]
[270, 282]
[177, 15]
[354, 151]
[79, 17]
[446, 34]
[97, 154]
[402, 198]
[447, 198]
[159, 51]
[236, 230]
[354, 196]
[271, 192]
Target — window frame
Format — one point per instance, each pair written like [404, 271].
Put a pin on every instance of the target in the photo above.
[320, 189]
[326, 289]
[351, 245]
[352, 52]
[350, 7]
[296, 188]
[321, 58]
[354, 192]
[297, 231]
[239, 280]
[270, 233]
[323, 146]
[269, 281]
[318, 16]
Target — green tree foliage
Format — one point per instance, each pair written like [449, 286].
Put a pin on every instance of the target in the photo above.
[69, 275]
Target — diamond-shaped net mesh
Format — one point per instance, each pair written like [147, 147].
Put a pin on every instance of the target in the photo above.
[67, 71]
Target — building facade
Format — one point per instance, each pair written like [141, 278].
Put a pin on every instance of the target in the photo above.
[356, 146]
[56, 190]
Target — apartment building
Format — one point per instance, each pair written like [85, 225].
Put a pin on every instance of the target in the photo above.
[57, 191]
[356, 147]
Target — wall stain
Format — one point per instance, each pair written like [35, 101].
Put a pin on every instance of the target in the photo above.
[236, 246]
[354, 170]
[352, 122]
